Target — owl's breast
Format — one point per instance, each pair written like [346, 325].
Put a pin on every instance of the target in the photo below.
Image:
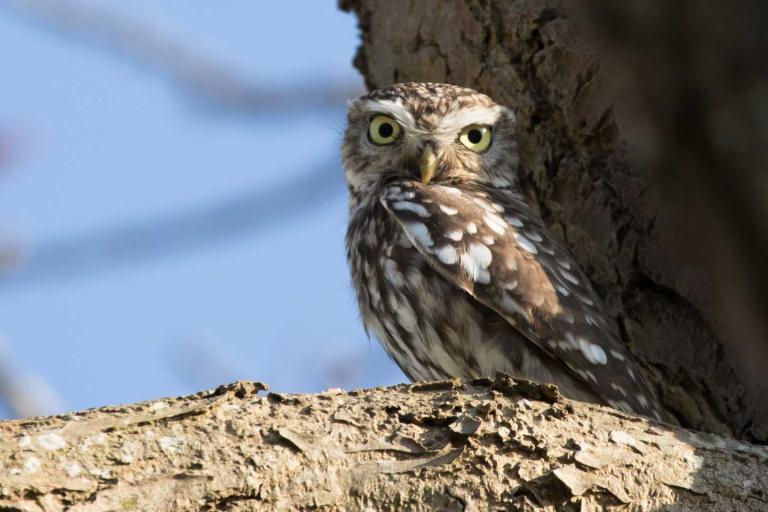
[405, 303]
[431, 328]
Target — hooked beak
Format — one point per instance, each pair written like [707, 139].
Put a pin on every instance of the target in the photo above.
[427, 165]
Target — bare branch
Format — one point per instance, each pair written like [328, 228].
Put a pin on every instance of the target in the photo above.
[480, 445]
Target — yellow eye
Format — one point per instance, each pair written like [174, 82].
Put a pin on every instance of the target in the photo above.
[476, 137]
[383, 130]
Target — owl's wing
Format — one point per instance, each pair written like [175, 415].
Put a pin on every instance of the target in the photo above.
[490, 244]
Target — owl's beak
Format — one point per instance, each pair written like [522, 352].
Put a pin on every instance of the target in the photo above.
[427, 165]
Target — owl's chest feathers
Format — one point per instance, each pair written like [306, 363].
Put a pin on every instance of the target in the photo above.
[432, 329]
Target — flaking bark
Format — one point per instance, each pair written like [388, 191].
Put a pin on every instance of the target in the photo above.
[476, 446]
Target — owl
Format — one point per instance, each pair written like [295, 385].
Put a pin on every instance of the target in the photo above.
[454, 273]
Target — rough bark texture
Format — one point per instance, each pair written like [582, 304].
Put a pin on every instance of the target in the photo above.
[699, 330]
[477, 446]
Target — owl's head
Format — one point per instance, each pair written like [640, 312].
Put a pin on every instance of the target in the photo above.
[436, 133]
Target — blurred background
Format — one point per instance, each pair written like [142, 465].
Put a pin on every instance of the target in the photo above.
[172, 205]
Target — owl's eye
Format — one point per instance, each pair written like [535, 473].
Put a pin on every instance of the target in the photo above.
[383, 130]
[476, 137]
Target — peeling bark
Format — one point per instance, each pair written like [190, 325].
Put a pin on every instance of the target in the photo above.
[482, 445]
[705, 351]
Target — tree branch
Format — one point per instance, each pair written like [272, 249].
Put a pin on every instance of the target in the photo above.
[480, 445]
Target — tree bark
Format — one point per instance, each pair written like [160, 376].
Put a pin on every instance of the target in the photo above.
[678, 254]
[476, 446]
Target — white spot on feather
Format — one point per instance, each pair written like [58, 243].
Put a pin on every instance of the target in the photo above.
[419, 231]
[477, 258]
[449, 210]
[592, 352]
[534, 236]
[571, 340]
[618, 355]
[572, 278]
[447, 254]
[587, 375]
[513, 221]
[481, 254]
[563, 290]
[482, 203]
[416, 208]
[495, 222]
[618, 388]
[471, 228]
[525, 243]
[455, 234]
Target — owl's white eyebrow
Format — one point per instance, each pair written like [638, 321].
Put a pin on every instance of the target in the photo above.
[465, 117]
[398, 112]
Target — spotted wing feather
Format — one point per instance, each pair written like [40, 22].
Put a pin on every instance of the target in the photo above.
[491, 245]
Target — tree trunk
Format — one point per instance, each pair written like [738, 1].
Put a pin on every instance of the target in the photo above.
[477, 446]
[678, 255]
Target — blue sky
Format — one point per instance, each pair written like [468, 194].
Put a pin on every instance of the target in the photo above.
[105, 142]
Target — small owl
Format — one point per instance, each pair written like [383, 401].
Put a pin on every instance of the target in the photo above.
[455, 274]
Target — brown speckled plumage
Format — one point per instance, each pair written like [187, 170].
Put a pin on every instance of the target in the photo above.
[456, 275]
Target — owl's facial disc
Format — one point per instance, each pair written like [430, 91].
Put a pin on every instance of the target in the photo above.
[430, 133]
